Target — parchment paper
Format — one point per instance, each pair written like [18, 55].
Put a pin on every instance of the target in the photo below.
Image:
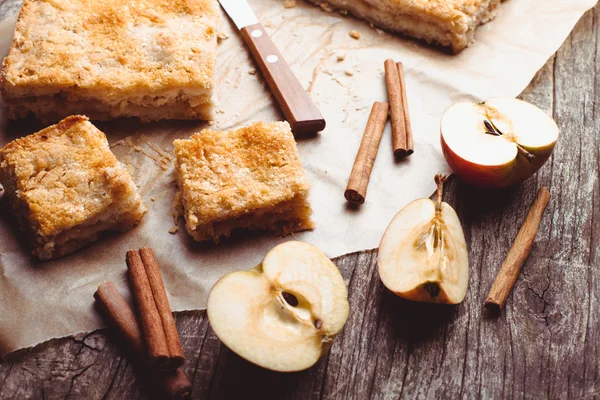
[39, 301]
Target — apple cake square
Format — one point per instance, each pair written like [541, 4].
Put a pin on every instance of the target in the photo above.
[66, 187]
[449, 23]
[150, 59]
[250, 178]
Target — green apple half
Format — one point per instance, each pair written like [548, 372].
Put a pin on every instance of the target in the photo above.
[498, 143]
[283, 314]
[423, 254]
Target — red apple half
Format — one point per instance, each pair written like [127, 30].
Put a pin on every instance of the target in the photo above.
[497, 143]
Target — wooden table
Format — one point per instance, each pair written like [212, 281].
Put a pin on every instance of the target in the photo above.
[546, 344]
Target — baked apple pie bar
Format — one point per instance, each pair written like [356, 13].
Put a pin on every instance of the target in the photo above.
[450, 23]
[66, 187]
[151, 59]
[248, 178]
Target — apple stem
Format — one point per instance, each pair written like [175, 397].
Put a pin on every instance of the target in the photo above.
[492, 129]
[530, 157]
[439, 181]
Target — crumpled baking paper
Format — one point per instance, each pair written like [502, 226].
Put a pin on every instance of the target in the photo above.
[39, 301]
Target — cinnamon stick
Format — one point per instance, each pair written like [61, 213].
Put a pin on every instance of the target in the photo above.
[369, 146]
[507, 276]
[119, 315]
[410, 146]
[150, 321]
[173, 384]
[402, 140]
[157, 285]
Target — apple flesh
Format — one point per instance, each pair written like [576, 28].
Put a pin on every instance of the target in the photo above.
[283, 314]
[423, 254]
[498, 143]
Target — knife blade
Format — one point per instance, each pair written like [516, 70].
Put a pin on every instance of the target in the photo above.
[297, 106]
[240, 12]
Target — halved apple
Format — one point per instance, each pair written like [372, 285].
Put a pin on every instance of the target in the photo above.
[498, 143]
[283, 314]
[423, 254]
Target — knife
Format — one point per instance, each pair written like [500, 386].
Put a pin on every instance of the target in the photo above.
[297, 106]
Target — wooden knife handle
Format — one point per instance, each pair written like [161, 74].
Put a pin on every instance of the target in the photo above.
[297, 106]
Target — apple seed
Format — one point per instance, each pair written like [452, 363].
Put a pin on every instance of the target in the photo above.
[290, 299]
[492, 129]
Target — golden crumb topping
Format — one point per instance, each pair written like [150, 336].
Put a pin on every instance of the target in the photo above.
[64, 175]
[443, 9]
[117, 46]
[226, 174]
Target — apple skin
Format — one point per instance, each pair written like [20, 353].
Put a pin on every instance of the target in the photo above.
[420, 295]
[496, 176]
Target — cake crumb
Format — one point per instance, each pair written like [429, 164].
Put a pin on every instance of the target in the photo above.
[117, 143]
[334, 77]
[222, 36]
[174, 230]
[152, 198]
[252, 71]
[349, 72]
[289, 3]
[354, 34]
[326, 7]
[341, 56]
[344, 12]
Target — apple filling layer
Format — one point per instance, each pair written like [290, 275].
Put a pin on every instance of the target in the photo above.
[282, 219]
[177, 104]
[77, 237]
[116, 219]
[450, 24]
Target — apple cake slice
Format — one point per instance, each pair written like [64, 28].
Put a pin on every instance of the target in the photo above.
[66, 187]
[248, 178]
[151, 59]
[450, 23]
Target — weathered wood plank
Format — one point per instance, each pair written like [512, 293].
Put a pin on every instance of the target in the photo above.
[546, 344]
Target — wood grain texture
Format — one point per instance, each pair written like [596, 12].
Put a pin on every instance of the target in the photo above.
[518, 253]
[297, 106]
[545, 344]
